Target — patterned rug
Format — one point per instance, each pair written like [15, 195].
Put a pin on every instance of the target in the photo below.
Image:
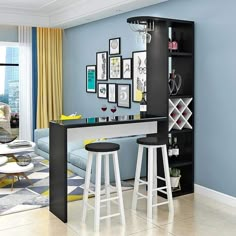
[25, 196]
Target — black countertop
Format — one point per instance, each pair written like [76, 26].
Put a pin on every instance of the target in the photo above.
[110, 120]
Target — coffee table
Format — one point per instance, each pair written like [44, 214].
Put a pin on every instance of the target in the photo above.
[3, 160]
[12, 168]
[5, 150]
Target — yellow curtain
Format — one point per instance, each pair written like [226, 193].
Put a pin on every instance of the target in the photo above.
[49, 54]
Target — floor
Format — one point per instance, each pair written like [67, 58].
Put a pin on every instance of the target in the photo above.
[195, 215]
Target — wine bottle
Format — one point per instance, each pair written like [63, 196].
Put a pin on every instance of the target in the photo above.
[174, 42]
[170, 153]
[143, 106]
[175, 148]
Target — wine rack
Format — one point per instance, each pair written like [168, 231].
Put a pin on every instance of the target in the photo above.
[179, 113]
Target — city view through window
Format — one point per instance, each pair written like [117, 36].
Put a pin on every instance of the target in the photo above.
[9, 77]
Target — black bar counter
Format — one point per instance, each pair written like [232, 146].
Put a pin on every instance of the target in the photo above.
[61, 132]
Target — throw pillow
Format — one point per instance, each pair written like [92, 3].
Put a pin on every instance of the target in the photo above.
[88, 141]
[71, 117]
[2, 112]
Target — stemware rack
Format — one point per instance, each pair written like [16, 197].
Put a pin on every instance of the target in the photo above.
[179, 113]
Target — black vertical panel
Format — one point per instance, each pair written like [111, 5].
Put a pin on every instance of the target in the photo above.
[157, 71]
[58, 170]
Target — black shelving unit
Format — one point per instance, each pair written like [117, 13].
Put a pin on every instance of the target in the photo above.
[158, 59]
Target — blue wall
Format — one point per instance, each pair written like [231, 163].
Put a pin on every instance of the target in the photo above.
[8, 33]
[215, 63]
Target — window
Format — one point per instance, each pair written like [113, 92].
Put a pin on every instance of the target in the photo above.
[9, 75]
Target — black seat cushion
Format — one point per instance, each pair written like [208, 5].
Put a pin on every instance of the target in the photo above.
[150, 141]
[102, 147]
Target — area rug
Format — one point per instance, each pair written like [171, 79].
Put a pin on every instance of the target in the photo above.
[27, 197]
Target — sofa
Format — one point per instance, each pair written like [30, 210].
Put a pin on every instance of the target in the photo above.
[77, 155]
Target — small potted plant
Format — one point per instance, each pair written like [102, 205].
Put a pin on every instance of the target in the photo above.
[174, 177]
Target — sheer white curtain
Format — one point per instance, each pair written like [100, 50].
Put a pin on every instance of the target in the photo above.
[25, 82]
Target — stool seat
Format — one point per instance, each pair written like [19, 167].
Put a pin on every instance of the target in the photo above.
[102, 147]
[152, 141]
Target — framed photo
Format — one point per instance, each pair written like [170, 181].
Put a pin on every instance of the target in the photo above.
[127, 68]
[112, 93]
[123, 95]
[102, 63]
[114, 46]
[102, 90]
[91, 79]
[139, 74]
[115, 67]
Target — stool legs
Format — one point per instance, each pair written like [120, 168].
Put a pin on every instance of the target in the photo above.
[137, 176]
[107, 182]
[118, 186]
[86, 186]
[167, 178]
[155, 173]
[152, 179]
[150, 182]
[97, 193]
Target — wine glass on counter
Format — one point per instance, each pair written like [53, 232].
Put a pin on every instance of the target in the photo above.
[104, 107]
[113, 110]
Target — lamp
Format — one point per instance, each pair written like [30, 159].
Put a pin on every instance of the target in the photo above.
[143, 28]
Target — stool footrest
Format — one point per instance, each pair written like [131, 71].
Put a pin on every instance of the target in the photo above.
[142, 195]
[109, 216]
[159, 188]
[142, 182]
[109, 199]
[161, 178]
[90, 206]
[159, 204]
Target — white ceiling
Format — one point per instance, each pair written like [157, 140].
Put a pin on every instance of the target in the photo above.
[64, 13]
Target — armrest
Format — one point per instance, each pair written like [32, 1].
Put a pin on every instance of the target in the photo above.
[40, 133]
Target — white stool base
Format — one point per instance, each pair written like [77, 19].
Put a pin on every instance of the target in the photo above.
[97, 192]
[152, 179]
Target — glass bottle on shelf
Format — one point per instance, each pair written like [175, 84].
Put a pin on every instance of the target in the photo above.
[174, 43]
[175, 148]
[170, 153]
[143, 106]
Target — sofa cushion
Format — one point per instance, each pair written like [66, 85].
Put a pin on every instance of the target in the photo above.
[78, 158]
[43, 144]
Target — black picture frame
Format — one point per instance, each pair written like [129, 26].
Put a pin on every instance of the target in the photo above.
[115, 46]
[124, 95]
[91, 79]
[127, 68]
[102, 66]
[112, 93]
[115, 67]
[101, 93]
[139, 75]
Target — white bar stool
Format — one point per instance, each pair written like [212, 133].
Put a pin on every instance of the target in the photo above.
[103, 149]
[152, 144]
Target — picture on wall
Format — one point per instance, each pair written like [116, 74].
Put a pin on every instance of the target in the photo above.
[112, 93]
[114, 46]
[102, 63]
[139, 74]
[91, 79]
[123, 95]
[115, 67]
[127, 68]
[102, 90]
